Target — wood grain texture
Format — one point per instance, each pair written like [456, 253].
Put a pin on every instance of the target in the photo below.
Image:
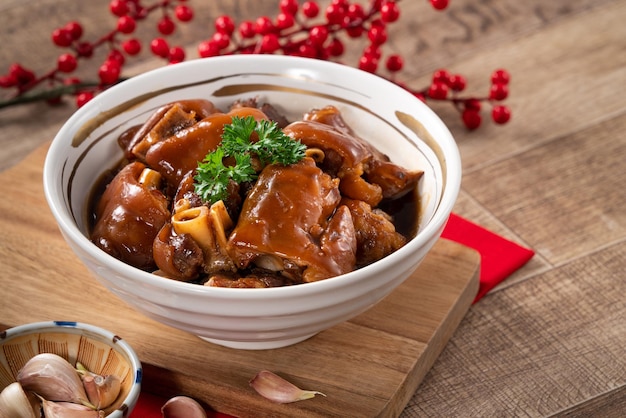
[396, 342]
[536, 356]
[566, 197]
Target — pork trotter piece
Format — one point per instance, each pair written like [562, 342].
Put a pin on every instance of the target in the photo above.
[130, 214]
[291, 222]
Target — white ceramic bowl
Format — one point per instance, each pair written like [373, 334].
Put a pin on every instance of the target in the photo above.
[99, 350]
[392, 119]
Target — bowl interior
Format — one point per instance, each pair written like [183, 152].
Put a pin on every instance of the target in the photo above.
[383, 114]
[98, 350]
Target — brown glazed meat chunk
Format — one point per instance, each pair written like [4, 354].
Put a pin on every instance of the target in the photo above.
[376, 234]
[344, 157]
[128, 217]
[291, 220]
[394, 181]
[163, 123]
[179, 257]
[177, 155]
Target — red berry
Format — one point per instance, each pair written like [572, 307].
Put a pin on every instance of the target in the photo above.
[457, 82]
[270, 43]
[500, 114]
[355, 31]
[335, 13]
[372, 51]
[310, 9]
[117, 56]
[471, 118]
[394, 63]
[438, 90]
[166, 26]
[500, 77]
[378, 22]
[376, 5]
[307, 51]
[66, 63]
[318, 35]
[21, 74]
[118, 7]
[159, 47]
[389, 11]
[177, 54]
[284, 21]
[126, 24]
[83, 97]
[208, 49]
[140, 11]
[62, 37]
[441, 76]
[246, 29]
[439, 4]
[131, 46]
[377, 35]
[221, 40]
[224, 24]
[472, 104]
[263, 25]
[183, 13]
[289, 7]
[420, 96]
[84, 49]
[109, 72]
[368, 63]
[498, 91]
[355, 12]
[75, 30]
[8, 80]
[336, 47]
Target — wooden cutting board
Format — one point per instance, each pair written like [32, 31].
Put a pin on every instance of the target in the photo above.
[369, 366]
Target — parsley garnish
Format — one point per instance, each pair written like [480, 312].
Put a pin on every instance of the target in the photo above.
[273, 147]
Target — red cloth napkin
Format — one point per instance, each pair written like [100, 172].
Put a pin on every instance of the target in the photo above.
[500, 257]
[149, 406]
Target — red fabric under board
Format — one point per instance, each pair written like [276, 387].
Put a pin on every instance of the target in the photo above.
[499, 259]
[149, 406]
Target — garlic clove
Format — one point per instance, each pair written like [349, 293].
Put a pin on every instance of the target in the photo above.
[53, 378]
[102, 391]
[277, 389]
[182, 407]
[16, 403]
[68, 410]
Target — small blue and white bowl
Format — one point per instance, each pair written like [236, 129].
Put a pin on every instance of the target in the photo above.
[99, 350]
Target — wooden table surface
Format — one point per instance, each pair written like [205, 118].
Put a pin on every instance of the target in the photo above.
[550, 340]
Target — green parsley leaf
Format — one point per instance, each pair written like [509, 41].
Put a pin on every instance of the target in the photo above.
[272, 147]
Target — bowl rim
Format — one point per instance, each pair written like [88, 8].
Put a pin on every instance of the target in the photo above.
[74, 327]
[70, 230]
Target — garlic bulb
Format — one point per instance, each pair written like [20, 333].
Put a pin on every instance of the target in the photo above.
[15, 403]
[102, 391]
[53, 378]
[182, 407]
[68, 410]
[277, 389]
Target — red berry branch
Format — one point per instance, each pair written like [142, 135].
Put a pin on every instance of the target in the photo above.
[305, 29]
